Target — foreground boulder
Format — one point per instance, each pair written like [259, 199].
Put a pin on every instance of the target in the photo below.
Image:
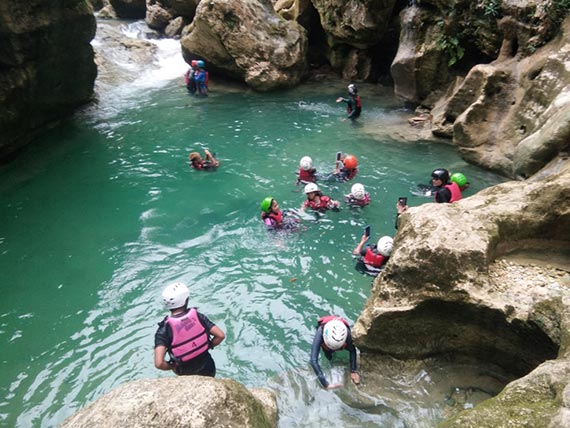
[447, 292]
[179, 402]
[248, 41]
[38, 84]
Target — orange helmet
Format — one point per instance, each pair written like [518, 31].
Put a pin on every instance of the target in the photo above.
[350, 162]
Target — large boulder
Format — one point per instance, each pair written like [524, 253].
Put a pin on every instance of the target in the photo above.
[528, 105]
[248, 41]
[420, 66]
[38, 83]
[179, 402]
[449, 290]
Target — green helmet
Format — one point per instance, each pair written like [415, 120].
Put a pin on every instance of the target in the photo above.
[266, 204]
[459, 179]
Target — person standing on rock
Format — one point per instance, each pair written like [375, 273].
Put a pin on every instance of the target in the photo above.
[186, 335]
[353, 103]
[332, 335]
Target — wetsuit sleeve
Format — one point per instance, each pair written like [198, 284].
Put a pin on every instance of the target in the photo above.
[163, 335]
[315, 350]
[443, 195]
[363, 251]
[205, 321]
[352, 350]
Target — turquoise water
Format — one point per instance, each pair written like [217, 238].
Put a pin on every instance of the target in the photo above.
[103, 212]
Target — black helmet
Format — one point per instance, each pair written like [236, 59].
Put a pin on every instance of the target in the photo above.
[441, 174]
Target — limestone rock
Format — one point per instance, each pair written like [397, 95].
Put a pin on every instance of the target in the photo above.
[38, 84]
[359, 23]
[179, 402]
[170, 16]
[419, 67]
[248, 41]
[446, 291]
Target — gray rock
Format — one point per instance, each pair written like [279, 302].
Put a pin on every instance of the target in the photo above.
[248, 41]
[179, 402]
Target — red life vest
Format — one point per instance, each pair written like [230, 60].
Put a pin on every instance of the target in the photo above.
[323, 205]
[189, 337]
[454, 190]
[323, 320]
[373, 259]
[357, 102]
[275, 219]
[197, 165]
[350, 173]
[306, 175]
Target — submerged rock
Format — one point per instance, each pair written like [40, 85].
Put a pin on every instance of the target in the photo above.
[179, 402]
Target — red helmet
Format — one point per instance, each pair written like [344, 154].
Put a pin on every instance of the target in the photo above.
[194, 63]
[350, 162]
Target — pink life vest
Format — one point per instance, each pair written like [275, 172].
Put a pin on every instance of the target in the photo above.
[373, 259]
[323, 205]
[323, 320]
[189, 337]
[272, 219]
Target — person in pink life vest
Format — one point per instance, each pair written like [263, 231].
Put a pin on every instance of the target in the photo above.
[444, 190]
[186, 335]
[306, 174]
[332, 335]
[317, 201]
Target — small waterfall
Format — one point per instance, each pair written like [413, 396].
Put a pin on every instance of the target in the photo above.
[132, 63]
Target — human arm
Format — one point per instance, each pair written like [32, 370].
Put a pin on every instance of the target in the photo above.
[211, 159]
[315, 350]
[443, 195]
[354, 375]
[218, 336]
[162, 339]
[159, 360]
[358, 250]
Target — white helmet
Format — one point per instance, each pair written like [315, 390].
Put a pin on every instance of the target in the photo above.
[352, 89]
[175, 295]
[311, 187]
[358, 191]
[334, 334]
[384, 246]
[306, 163]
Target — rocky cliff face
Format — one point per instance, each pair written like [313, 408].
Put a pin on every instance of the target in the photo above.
[46, 66]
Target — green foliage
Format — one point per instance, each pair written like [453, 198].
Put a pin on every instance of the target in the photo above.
[450, 45]
[492, 8]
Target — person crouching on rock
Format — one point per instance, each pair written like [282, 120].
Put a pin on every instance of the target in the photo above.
[332, 335]
[186, 335]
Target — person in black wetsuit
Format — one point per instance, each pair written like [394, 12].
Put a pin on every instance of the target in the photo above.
[186, 335]
[353, 103]
[333, 334]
